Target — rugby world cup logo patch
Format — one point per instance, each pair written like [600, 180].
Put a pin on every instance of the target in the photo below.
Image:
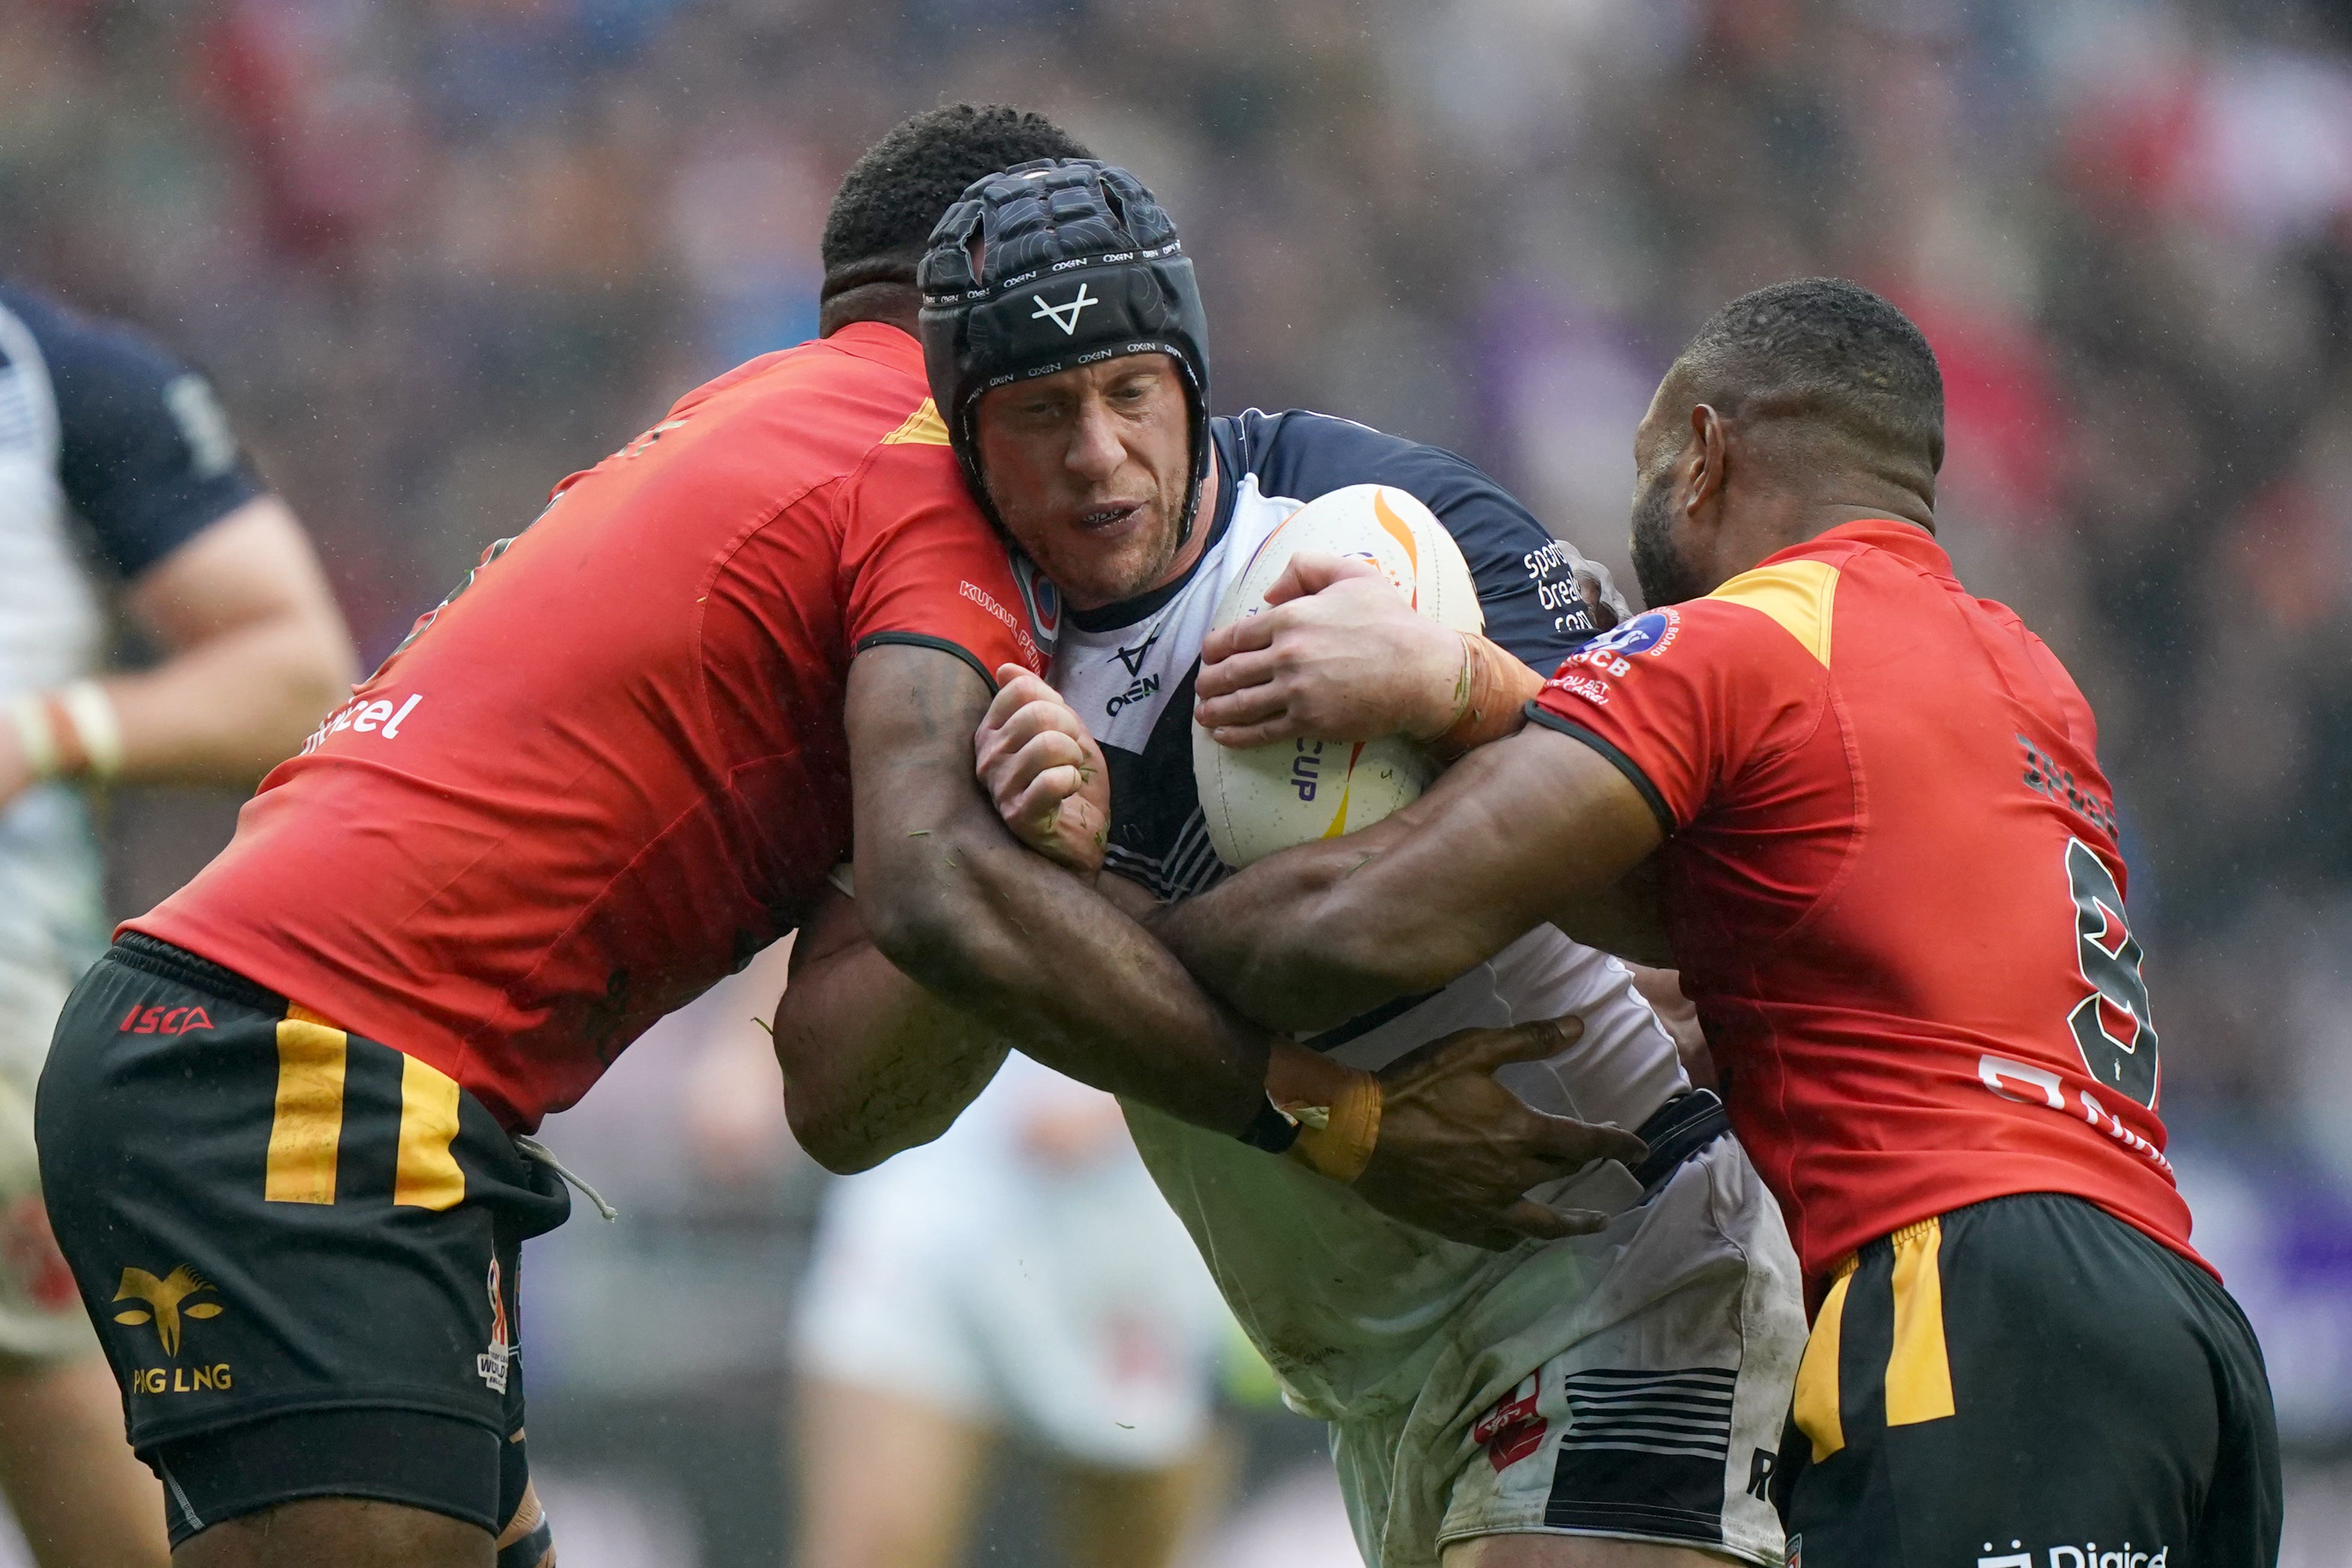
[1653, 632]
[1041, 600]
[1613, 651]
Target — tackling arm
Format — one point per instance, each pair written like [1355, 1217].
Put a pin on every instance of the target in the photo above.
[873, 1063]
[1340, 656]
[952, 899]
[1431, 1138]
[1521, 832]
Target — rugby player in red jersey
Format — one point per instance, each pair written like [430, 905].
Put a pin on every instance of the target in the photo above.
[284, 1127]
[1891, 883]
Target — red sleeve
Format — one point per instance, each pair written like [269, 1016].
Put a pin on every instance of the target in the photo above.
[1685, 699]
[919, 565]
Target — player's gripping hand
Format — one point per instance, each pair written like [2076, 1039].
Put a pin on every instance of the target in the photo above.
[1457, 1151]
[1041, 767]
[1341, 656]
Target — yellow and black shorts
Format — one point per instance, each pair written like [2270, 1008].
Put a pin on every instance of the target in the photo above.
[2030, 1382]
[299, 1247]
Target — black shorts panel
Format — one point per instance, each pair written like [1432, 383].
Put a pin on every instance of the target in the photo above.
[432, 1462]
[2053, 1386]
[270, 1219]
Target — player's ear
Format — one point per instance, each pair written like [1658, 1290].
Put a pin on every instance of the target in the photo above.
[1704, 461]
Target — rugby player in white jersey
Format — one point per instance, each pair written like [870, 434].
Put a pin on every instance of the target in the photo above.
[118, 475]
[1612, 1395]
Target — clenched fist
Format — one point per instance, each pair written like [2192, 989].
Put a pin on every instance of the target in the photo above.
[1041, 767]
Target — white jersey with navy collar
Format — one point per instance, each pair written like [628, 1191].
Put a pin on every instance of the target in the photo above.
[112, 454]
[1344, 1301]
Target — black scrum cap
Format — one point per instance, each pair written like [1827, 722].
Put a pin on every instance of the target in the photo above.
[1050, 265]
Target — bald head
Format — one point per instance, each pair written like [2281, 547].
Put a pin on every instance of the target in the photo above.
[1796, 408]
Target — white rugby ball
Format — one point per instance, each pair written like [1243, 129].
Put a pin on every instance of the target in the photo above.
[1263, 798]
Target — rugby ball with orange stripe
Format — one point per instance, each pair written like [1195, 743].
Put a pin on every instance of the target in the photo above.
[1263, 798]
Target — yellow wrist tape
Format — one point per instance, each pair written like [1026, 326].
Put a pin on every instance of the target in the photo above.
[1337, 1140]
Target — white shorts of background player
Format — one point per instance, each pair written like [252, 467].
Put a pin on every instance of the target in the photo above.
[1062, 1304]
[52, 928]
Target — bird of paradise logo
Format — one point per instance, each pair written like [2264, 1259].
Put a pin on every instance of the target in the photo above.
[165, 1297]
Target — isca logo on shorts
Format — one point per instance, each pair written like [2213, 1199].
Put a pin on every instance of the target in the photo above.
[159, 1020]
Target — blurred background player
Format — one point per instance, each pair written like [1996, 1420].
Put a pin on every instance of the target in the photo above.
[121, 482]
[1018, 1279]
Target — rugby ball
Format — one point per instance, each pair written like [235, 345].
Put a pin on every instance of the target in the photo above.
[1260, 799]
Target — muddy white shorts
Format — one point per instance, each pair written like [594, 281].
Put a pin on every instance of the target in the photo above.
[1647, 1406]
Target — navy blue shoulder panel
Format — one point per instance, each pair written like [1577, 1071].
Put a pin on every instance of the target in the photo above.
[146, 455]
[1525, 583]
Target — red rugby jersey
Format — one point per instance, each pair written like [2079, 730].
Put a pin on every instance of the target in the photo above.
[1893, 887]
[612, 766]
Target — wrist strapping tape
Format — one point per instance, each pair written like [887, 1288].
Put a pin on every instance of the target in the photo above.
[1488, 694]
[71, 733]
[1337, 1140]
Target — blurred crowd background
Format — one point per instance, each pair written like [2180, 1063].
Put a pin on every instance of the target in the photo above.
[436, 253]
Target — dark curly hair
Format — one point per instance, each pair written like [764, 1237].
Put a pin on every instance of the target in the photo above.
[892, 196]
[1829, 353]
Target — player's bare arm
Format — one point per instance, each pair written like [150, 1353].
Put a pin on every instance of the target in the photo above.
[873, 1063]
[260, 651]
[1525, 831]
[953, 899]
[1453, 1148]
[257, 652]
[1340, 656]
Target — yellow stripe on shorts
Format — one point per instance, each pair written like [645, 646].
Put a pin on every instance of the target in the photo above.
[306, 1131]
[1919, 1368]
[427, 1177]
[1816, 1409]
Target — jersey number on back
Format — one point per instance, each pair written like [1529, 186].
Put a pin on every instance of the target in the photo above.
[2112, 1026]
